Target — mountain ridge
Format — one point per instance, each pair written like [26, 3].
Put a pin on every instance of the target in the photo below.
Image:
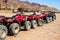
[25, 4]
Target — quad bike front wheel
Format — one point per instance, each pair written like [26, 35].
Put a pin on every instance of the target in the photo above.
[51, 19]
[47, 20]
[27, 25]
[33, 24]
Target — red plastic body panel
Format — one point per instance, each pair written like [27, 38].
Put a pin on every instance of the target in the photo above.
[25, 17]
[9, 20]
[31, 18]
[34, 17]
[19, 18]
[1, 18]
[45, 15]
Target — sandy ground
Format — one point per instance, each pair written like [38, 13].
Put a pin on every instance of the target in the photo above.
[49, 31]
[8, 13]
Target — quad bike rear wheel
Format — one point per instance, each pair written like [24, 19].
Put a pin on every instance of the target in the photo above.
[14, 29]
[1, 38]
[40, 22]
[54, 18]
[3, 31]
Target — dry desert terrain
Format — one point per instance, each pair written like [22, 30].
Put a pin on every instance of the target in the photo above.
[50, 31]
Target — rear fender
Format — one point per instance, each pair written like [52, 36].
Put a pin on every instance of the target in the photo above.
[31, 18]
[25, 18]
[45, 15]
[7, 20]
[37, 17]
[19, 18]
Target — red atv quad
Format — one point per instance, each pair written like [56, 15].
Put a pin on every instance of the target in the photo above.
[45, 17]
[15, 23]
[35, 20]
[48, 16]
[23, 21]
[3, 28]
[26, 23]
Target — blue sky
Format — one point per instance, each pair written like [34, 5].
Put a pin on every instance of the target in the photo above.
[51, 3]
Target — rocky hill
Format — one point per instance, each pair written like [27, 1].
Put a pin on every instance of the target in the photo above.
[24, 4]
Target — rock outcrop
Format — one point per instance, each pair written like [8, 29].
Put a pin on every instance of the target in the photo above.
[24, 4]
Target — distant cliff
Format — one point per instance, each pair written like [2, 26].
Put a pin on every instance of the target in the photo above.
[24, 4]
